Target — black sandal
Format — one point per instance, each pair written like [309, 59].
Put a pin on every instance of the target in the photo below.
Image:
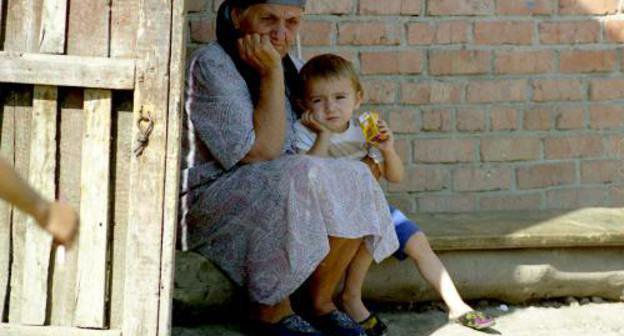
[374, 326]
[338, 323]
[292, 325]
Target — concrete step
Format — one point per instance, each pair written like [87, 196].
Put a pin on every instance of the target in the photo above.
[510, 256]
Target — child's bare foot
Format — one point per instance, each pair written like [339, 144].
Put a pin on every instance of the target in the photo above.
[354, 307]
[61, 221]
[459, 310]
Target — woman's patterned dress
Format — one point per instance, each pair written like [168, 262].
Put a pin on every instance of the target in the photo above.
[266, 224]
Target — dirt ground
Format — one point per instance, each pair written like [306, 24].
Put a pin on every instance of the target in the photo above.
[568, 317]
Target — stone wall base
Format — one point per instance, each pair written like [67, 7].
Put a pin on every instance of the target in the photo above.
[508, 275]
[512, 276]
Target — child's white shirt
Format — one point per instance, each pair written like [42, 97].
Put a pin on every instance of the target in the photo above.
[349, 144]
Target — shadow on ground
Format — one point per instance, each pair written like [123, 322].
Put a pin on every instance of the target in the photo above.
[423, 320]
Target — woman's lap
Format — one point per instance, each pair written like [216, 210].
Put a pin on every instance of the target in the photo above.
[267, 224]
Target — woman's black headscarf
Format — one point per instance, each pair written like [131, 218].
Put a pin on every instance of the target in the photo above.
[227, 37]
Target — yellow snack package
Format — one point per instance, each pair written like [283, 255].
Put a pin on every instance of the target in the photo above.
[368, 122]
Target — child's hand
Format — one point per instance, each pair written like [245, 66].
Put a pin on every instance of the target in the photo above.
[308, 120]
[385, 141]
[61, 222]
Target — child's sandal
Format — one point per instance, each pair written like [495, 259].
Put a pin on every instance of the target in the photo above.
[373, 326]
[476, 320]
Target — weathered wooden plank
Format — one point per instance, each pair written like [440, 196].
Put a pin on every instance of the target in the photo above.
[16, 330]
[88, 31]
[63, 291]
[124, 25]
[57, 70]
[22, 103]
[147, 173]
[1, 13]
[122, 155]
[53, 20]
[21, 35]
[23, 22]
[172, 177]
[88, 35]
[94, 210]
[7, 152]
[42, 170]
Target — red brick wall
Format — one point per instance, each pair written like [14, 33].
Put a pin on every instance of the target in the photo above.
[497, 104]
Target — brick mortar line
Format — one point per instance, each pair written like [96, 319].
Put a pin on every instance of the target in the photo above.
[577, 175]
[412, 195]
[561, 104]
[513, 135]
[505, 192]
[520, 132]
[435, 19]
[466, 47]
[516, 163]
[406, 20]
[490, 76]
[552, 133]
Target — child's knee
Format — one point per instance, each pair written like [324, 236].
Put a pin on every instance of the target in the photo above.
[418, 245]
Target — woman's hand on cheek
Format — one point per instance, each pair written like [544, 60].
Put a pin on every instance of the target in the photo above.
[260, 54]
[308, 120]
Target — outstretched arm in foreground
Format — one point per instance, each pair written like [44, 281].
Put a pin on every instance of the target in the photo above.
[58, 218]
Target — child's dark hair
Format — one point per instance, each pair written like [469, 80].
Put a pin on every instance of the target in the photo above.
[329, 66]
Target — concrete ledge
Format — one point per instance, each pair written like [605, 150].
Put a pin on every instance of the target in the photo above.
[513, 276]
[510, 256]
[509, 230]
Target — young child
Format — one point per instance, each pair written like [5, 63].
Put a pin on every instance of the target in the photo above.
[331, 93]
[58, 218]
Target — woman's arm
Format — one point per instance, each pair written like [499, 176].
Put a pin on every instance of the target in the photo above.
[15, 191]
[269, 117]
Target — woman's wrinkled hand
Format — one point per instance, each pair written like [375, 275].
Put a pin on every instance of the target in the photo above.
[308, 120]
[257, 51]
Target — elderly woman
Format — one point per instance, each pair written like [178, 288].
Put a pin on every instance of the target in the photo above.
[268, 218]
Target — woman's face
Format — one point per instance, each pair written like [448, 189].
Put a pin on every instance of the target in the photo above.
[280, 22]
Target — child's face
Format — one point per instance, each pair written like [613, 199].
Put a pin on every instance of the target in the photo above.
[332, 101]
